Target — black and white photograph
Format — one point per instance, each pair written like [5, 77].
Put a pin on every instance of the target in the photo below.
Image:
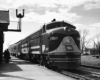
[49, 39]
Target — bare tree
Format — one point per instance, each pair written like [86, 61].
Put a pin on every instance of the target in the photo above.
[83, 40]
[96, 41]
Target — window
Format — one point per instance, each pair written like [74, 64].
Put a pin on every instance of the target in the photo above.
[58, 24]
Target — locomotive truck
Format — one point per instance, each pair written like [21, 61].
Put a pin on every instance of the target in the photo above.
[56, 44]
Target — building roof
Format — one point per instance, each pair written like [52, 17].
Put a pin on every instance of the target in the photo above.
[4, 16]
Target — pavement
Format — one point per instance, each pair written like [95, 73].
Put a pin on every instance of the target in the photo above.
[18, 69]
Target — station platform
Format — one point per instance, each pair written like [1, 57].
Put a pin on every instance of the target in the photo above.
[18, 69]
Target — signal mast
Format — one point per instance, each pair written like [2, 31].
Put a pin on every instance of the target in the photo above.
[20, 16]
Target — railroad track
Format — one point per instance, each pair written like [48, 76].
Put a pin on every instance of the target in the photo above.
[81, 74]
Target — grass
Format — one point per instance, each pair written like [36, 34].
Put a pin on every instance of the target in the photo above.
[90, 61]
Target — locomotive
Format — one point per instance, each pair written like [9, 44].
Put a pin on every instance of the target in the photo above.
[56, 44]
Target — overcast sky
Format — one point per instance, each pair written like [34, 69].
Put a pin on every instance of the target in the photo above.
[84, 14]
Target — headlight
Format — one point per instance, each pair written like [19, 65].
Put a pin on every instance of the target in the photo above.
[53, 38]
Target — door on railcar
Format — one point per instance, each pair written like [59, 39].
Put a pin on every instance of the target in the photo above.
[44, 36]
[34, 52]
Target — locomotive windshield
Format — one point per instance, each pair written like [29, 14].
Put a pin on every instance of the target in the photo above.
[58, 24]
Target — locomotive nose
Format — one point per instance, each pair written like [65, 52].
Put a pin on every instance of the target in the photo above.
[69, 44]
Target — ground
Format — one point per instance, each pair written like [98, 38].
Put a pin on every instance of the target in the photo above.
[90, 61]
[24, 70]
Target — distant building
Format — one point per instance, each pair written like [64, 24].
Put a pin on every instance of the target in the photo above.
[90, 51]
[87, 51]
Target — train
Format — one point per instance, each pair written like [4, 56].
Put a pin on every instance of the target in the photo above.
[55, 44]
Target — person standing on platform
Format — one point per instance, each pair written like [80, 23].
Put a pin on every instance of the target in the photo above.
[6, 55]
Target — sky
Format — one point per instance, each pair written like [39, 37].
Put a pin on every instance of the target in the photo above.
[84, 14]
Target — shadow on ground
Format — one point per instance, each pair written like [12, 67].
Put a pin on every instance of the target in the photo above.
[12, 66]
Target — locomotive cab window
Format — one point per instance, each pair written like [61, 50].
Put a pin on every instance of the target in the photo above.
[59, 24]
[53, 25]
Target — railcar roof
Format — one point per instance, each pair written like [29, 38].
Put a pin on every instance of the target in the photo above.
[15, 43]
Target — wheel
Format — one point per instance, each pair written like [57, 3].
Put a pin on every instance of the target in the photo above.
[47, 64]
[41, 61]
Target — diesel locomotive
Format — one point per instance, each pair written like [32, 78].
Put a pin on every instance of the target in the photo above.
[56, 44]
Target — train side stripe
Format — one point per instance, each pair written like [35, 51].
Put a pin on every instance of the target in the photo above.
[35, 52]
[34, 47]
